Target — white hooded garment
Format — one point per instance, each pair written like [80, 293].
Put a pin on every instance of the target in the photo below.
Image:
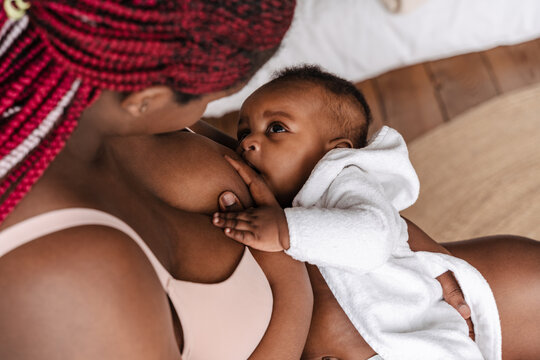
[346, 220]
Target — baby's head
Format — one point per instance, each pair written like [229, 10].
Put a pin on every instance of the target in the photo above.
[287, 125]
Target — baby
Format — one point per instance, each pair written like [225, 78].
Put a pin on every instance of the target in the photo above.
[305, 134]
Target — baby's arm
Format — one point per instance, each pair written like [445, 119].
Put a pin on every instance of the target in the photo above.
[355, 229]
[353, 226]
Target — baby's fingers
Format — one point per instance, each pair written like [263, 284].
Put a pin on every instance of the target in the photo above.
[239, 221]
[471, 328]
[245, 215]
[245, 237]
[246, 173]
[453, 295]
[261, 193]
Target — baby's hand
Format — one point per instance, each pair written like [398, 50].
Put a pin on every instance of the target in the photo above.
[259, 190]
[453, 295]
[263, 228]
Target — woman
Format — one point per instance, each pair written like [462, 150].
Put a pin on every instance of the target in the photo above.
[89, 287]
[80, 283]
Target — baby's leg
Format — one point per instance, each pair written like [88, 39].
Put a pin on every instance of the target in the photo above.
[511, 265]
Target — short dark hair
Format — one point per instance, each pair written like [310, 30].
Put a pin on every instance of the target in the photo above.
[351, 111]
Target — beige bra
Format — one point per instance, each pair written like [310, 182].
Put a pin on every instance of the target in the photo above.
[224, 320]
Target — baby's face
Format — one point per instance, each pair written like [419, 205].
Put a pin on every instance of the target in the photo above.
[283, 132]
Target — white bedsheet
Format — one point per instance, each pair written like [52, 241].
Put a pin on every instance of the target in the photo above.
[359, 39]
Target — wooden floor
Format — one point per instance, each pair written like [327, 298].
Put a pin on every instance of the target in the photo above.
[418, 98]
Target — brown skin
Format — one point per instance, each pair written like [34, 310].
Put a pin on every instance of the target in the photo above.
[284, 130]
[509, 263]
[283, 127]
[263, 227]
[94, 294]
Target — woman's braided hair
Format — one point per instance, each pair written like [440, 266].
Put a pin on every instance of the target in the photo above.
[57, 58]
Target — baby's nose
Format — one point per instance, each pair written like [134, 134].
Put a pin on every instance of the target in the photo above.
[250, 143]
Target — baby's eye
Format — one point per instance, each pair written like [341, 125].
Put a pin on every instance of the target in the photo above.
[276, 128]
[241, 135]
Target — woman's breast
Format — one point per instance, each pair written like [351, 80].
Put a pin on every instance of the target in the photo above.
[174, 182]
[188, 171]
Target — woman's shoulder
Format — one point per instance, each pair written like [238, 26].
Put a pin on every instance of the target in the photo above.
[82, 284]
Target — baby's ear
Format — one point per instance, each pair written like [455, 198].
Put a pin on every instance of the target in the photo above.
[340, 143]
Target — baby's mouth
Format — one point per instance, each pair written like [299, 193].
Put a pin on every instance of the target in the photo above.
[252, 166]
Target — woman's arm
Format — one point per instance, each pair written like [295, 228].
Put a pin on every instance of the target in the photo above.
[353, 226]
[293, 298]
[293, 304]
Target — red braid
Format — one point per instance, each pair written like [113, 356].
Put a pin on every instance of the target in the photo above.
[56, 59]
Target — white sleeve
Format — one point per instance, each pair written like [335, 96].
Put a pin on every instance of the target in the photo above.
[355, 228]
